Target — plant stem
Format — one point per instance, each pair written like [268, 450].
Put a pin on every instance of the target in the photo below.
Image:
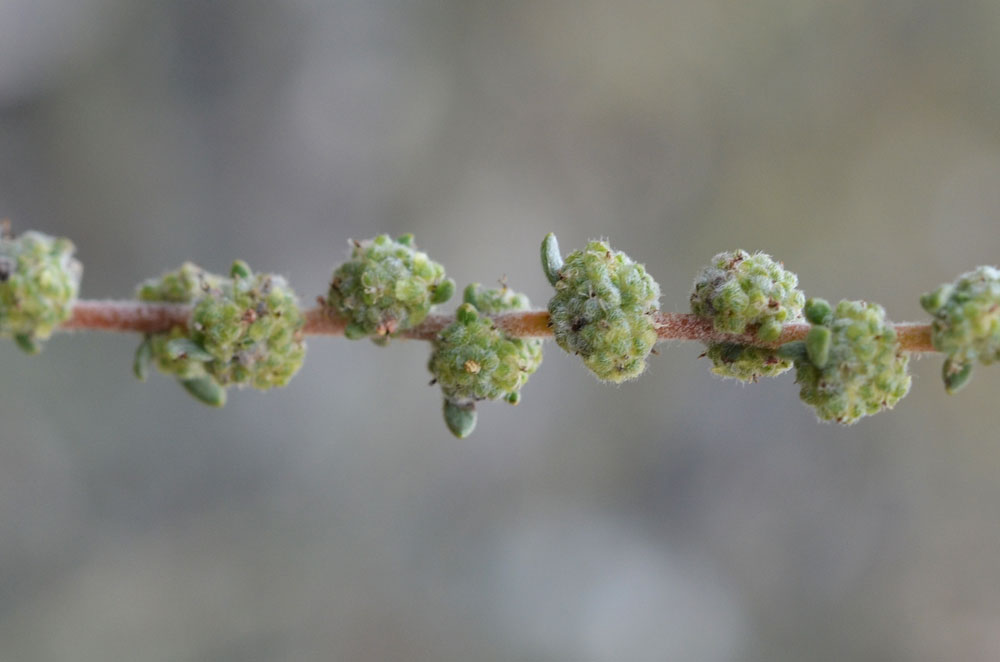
[134, 316]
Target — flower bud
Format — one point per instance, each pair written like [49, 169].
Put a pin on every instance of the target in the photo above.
[742, 292]
[851, 365]
[387, 286]
[244, 331]
[966, 324]
[39, 282]
[474, 360]
[603, 309]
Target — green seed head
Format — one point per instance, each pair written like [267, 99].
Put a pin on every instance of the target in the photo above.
[851, 366]
[743, 292]
[966, 325]
[245, 331]
[39, 282]
[474, 360]
[603, 309]
[387, 286]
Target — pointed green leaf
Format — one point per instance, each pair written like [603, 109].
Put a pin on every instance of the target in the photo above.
[461, 419]
[27, 343]
[955, 376]
[552, 261]
[443, 291]
[206, 390]
[469, 295]
[143, 359]
[817, 311]
[240, 269]
[818, 345]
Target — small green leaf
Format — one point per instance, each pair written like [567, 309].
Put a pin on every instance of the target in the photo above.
[27, 343]
[470, 295]
[818, 345]
[552, 261]
[933, 301]
[186, 348]
[143, 359]
[406, 239]
[240, 269]
[466, 313]
[461, 419]
[443, 291]
[817, 311]
[206, 390]
[955, 376]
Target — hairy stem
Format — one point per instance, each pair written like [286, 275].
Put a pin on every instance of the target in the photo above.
[134, 316]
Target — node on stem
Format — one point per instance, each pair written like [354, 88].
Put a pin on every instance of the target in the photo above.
[966, 324]
[245, 330]
[743, 292]
[386, 287]
[473, 360]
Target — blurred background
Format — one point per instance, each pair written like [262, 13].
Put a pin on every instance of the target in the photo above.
[678, 517]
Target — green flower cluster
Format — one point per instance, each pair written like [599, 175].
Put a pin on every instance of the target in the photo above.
[387, 286]
[746, 292]
[245, 330]
[39, 282]
[603, 309]
[474, 360]
[966, 324]
[850, 364]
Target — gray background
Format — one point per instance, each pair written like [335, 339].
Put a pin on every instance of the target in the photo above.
[678, 517]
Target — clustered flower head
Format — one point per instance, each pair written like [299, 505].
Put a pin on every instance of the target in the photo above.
[387, 286]
[244, 330]
[966, 324]
[474, 360]
[603, 309]
[39, 282]
[850, 364]
[743, 292]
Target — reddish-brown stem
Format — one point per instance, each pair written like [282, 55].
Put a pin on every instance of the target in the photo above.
[132, 316]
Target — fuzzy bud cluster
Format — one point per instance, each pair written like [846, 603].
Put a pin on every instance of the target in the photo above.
[850, 364]
[39, 282]
[966, 324]
[474, 360]
[743, 292]
[387, 286]
[245, 330]
[604, 308]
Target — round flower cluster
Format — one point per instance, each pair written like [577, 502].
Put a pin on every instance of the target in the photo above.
[746, 292]
[387, 286]
[966, 323]
[603, 309]
[245, 330]
[39, 282]
[850, 364]
[474, 360]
